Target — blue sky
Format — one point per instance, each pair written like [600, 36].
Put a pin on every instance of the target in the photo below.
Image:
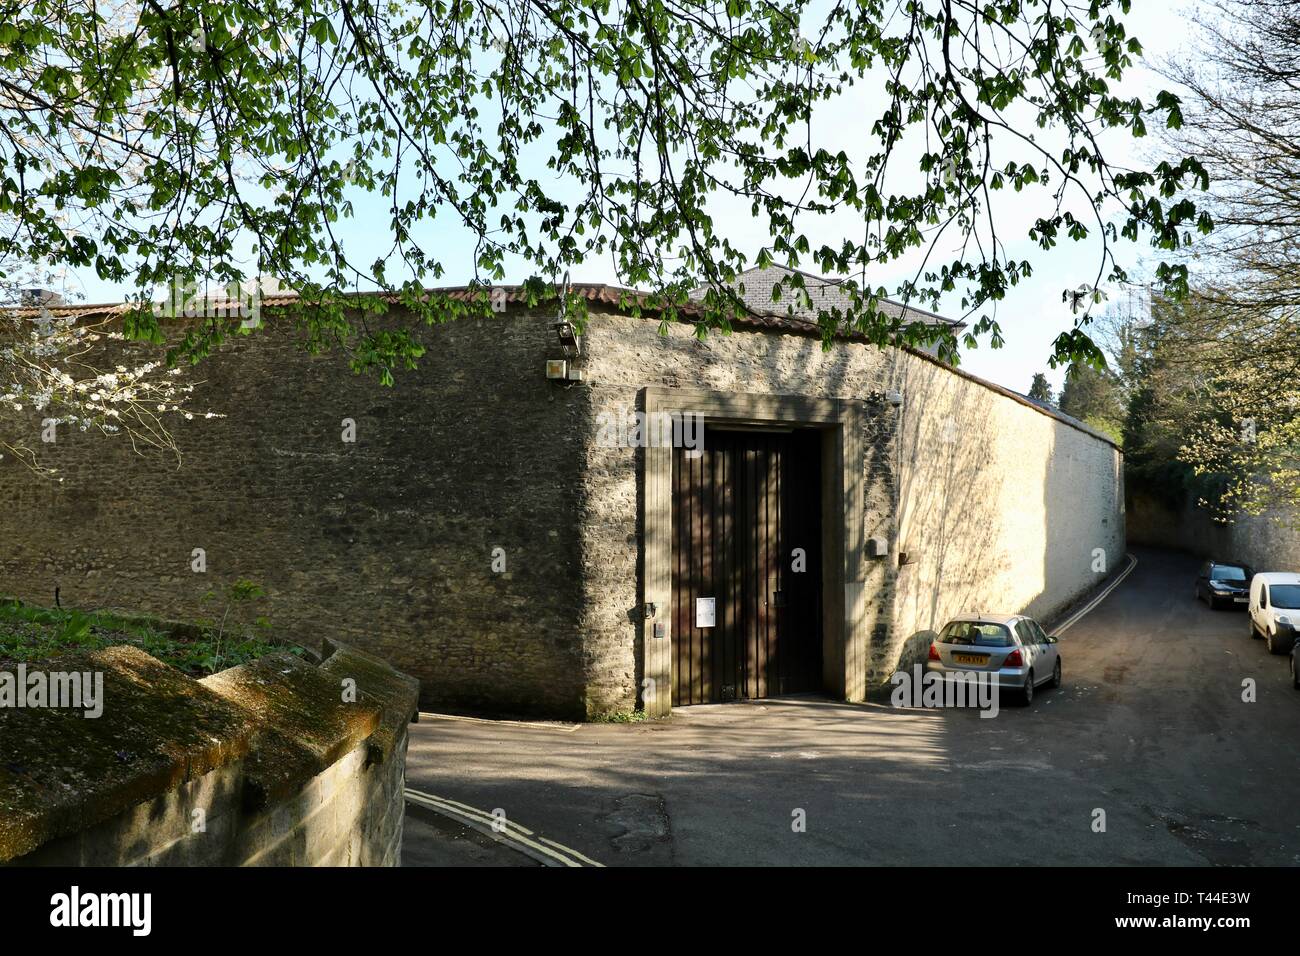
[1031, 316]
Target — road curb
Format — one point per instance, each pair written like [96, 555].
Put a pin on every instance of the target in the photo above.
[555, 726]
[1092, 604]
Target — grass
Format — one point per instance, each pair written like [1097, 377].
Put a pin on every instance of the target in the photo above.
[33, 633]
[621, 717]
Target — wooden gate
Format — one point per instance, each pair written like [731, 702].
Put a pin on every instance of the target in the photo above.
[747, 615]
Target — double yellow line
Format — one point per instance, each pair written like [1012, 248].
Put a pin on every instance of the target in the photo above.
[1077, 615]
[534, 845]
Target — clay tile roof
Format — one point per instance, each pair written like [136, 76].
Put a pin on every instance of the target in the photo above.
[617, 297]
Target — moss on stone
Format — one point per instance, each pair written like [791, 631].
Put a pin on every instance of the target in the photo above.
[285, 718]
[61, 771]
[304, 723]
[396, 694]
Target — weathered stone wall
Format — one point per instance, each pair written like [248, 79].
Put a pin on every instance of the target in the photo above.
[385, 543]
[266, 764]
[348, 815]
[624, 355]
[388, 543]
[998, 505]
[1268, 542]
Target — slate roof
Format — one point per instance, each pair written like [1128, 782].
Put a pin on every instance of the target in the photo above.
[825, 292]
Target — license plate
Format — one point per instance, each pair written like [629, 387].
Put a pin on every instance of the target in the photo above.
[971, 658]
[1240, 600]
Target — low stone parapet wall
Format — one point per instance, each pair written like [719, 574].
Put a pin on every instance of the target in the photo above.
[277, 762]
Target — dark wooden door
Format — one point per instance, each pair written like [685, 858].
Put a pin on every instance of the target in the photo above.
[746, 534]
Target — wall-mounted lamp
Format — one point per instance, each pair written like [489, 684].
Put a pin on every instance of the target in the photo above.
[894, 397]
[568, 336]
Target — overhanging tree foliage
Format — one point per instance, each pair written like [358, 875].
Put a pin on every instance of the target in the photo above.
[161, 142]
[1204, 418]
[1164, 385]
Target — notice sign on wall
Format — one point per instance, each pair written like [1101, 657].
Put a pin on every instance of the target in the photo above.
[706, 612]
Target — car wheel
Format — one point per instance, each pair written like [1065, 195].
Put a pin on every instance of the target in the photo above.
[1271, 644]
[1027, 692]
[1056, 673]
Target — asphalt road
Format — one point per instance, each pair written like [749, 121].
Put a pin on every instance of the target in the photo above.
[1150, 728]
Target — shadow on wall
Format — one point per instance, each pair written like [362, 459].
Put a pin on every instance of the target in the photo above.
[1002, 509]
[1175, 526]
[627, 356]
[948, 525]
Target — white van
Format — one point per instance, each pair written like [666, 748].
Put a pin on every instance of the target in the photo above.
[1275, 609]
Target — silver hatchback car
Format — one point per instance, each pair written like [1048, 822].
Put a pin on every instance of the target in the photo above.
[1011, 647]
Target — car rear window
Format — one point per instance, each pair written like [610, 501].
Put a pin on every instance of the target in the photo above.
[980, 635]
[1285, 596]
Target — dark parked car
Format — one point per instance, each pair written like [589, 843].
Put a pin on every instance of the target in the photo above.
[1295, 674]
[1224, 583]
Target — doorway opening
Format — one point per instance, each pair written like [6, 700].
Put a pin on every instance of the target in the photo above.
[747, 553]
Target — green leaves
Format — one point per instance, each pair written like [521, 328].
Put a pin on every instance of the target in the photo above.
[322, 31]
[1171, 105]
[212, 142]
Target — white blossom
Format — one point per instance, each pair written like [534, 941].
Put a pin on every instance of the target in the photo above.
[47, 364]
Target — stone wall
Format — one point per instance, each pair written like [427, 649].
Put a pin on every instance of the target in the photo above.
[388, 542]
[1268, 542]
[385, 543]
[262, 765]
[624, 355]
[998, 505]
[1002, 508]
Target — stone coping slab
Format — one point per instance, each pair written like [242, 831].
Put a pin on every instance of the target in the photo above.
[286, 719]
[61, 771]
[396, 694]
[304, 725]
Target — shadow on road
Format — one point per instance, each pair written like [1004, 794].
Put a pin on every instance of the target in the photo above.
[1150, 735]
